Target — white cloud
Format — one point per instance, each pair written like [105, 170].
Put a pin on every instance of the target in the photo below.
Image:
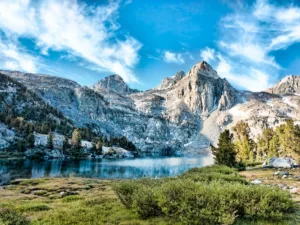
[208, 54]
[86, 32]
[247, 39]
[14, 58]
[171, 57]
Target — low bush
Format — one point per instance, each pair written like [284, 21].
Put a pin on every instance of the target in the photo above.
[212, 173]
[12, 217]
[125, 191]
[71, 198]
[34, 207]
[145, 203]
[220, 198]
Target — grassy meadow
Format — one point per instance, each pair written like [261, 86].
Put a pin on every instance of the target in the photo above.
[213, 195]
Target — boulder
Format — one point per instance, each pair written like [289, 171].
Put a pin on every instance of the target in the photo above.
[116, 152]
[256, 182]
[295, 191]
[284, 162]
[67, 193]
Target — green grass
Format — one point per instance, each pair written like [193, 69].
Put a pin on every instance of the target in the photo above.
[38, 201]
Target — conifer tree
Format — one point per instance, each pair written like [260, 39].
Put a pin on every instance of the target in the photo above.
[76, 138]
[50, 141]
[264, 143]
[30, 140]
[289, 139]
[225, 153]
[245, 146]
[274, 146]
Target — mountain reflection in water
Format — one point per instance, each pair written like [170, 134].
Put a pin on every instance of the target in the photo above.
[102, 168]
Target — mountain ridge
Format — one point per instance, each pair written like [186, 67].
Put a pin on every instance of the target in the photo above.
[186, 113]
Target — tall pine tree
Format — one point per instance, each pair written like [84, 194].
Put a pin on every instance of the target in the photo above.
[245, 146]
[76, 138]
[225, 153]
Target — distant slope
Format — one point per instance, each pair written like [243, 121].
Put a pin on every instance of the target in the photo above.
[288, 85]
[18, 105]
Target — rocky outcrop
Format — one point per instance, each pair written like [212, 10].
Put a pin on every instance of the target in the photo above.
[203, 91]
[114, 83]
[116, 152]
[288, 85]
[170, 81]
[7, 136]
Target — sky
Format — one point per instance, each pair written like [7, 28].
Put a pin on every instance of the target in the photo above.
[253, 44]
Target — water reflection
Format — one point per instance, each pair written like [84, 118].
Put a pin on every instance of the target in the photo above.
[110, 169]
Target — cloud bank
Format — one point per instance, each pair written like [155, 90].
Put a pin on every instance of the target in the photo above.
[89, 33]
[171, 57]
[248, 38]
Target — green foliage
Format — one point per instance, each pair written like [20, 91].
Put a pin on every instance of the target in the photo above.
[30, 140]
[215, 199]
[125, 190]
[71, 198]
[145, 202]
[213, 173]
[35, 207]
[225, 153]
[12, 217]
[123, 143]
[265, 143]
[243, 143]
[289, 138]
[76, 139]
[282, 141]
[20, 146]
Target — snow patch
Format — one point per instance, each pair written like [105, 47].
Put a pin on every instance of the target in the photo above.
[238, 112]
[288, 102]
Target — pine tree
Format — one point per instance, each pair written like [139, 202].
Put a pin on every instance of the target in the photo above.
[76, 138]
[245, 146]
[30, 140]
[50, 141]
[65, 144]
[289, 139]
[225, 153]
[264, 143]
[274, 146]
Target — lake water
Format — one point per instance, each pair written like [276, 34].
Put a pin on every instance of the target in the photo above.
[102, 168]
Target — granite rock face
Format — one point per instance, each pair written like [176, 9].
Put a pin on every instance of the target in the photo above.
[7, 136]
[185, 113]
[114, 83]
[288, 85]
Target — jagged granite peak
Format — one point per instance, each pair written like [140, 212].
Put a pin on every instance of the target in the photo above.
[170, 81]
[203, 91]
[288, 85]
[204, 69]
[180, 74]
[114, 83]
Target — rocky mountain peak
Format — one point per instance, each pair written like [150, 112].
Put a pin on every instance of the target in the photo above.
[204, 69]
[113, 83]
[170, 81]
[288, 85]
[179, 75]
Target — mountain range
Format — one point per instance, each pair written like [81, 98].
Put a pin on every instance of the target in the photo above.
[185, 113]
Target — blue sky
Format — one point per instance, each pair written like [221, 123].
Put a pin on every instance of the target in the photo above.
[253, 44]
